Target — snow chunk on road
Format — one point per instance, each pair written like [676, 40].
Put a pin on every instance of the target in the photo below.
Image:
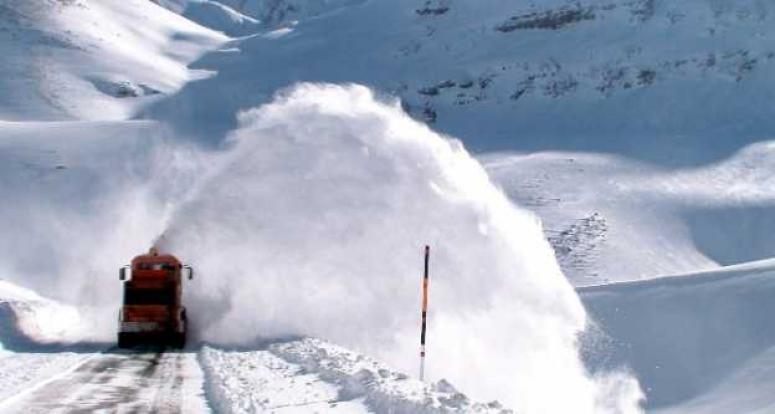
[257, 381]
[383, 390]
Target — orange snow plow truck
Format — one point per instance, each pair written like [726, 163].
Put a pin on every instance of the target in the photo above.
[152, 312]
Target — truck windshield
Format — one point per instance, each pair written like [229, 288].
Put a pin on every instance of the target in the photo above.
[135, 296]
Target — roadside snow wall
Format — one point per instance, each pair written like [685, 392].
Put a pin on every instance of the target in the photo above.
[312, 222]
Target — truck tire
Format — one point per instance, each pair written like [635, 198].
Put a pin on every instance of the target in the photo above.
[178, 340]
[124, 341]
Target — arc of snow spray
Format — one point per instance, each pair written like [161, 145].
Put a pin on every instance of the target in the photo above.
[424, 313]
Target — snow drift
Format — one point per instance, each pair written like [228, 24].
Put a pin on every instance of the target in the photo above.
[699, 343]
[312, 223]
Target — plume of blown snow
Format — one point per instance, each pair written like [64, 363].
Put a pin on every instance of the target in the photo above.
[67, 232]
[312, 222]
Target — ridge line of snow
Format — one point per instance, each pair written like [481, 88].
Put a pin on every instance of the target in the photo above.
[214, 395]
[749, 269]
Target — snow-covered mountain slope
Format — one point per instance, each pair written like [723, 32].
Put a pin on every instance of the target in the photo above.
[596, 81]
[610, 218]
[700, 343]
[220, 17]
[674, 83]
[278, 12]
[216, 15]
[208, 108]
[305, 210]
[95, 60]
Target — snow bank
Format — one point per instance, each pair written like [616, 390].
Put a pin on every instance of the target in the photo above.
[29, 321]
[257, 381]
[313, 220]
[31, 327]
[383, 390]
[217, 16]
[319, 376]
[699, 343]
[96, 60]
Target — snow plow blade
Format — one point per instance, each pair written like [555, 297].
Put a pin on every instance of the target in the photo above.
[134, 339]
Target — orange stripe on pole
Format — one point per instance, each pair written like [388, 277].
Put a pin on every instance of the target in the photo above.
[424, 313]
[425, 295]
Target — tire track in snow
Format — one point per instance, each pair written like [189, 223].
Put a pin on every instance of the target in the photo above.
[118, 381]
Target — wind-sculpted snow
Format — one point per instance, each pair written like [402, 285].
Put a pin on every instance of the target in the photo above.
[215, 15]
[700, 343]
[312, 222]
[92, 59]
[279, 11]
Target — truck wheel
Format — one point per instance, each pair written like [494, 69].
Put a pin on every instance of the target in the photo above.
[178, 340]
[124, 341]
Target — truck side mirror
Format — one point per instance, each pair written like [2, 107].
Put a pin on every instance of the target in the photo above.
[190, 272]
[122, 273]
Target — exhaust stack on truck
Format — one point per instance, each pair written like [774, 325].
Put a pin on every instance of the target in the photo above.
[152, 311]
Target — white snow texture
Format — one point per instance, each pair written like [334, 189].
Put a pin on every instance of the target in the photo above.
[262, 142]
[312, 222]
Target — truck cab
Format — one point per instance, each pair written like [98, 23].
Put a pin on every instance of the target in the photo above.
[152, 311]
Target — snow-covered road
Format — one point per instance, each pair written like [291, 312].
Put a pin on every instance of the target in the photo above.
[286, 376]
[44, 374]
[148, 381]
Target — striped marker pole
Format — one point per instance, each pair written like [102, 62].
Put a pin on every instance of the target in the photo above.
[424, 314]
